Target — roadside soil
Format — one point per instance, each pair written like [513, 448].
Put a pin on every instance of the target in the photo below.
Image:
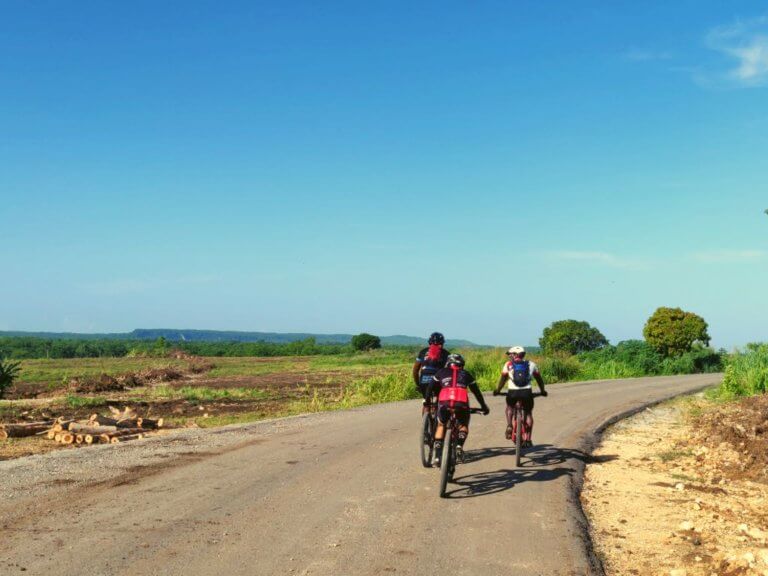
[688, 494]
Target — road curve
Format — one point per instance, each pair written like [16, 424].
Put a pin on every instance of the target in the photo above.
[339, 494]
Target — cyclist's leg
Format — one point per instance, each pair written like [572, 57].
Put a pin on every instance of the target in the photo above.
[510, 412]
[462, 417]
[443, 414]
[528, 408]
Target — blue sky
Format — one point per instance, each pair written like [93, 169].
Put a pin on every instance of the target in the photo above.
[479, 168]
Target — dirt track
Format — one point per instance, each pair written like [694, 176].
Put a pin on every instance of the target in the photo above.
[333, 493]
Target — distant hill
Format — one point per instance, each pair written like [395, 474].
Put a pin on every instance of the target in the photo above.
[176, 335]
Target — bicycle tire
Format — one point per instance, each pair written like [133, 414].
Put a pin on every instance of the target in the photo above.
[445, 462]
[519, 417]
[426, 442]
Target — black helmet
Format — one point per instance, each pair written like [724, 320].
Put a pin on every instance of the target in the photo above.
[436, 338]
[457, 359]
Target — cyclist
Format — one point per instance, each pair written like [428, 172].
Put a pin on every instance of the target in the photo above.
[517, 373]
[452, 382]
[428, 362]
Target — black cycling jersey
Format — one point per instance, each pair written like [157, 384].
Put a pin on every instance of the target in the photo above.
[444, 379]
[429, 367]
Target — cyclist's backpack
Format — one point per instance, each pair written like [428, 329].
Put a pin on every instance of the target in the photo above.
[521, 373]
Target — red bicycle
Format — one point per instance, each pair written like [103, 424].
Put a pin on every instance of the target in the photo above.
[519, 427]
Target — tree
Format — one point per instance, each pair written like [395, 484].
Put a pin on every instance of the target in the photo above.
[572, 337]
[673, 331]
[365, 341]
[8, 373]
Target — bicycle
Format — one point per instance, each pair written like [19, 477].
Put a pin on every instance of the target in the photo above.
[427, 435]
[519, 427]
[448, 457]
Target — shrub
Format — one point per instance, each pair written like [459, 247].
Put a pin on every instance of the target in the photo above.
[571, 337]
[365, 341]
[673, 331]
[8, 373]
[559, 369]
[747, 372]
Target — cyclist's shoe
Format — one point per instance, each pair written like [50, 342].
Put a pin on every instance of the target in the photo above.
[438, 454]
[460, 454]
[527, 444]
[508, 433]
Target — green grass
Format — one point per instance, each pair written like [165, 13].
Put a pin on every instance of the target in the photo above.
[671, 455]
[74, 401]
[746, 373]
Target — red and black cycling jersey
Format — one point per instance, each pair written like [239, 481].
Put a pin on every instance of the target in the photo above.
[443, 381]
[431, 363]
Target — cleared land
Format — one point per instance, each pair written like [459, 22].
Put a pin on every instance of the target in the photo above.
[684, 491]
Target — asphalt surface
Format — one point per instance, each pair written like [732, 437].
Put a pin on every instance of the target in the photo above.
[336, 493]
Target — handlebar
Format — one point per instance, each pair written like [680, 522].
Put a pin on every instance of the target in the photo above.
[475, 410]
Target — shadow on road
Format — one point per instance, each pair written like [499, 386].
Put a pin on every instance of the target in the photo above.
[539, 456]
[536, 466]
[485, 483]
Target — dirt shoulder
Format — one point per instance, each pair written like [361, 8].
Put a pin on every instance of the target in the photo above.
[682, 490]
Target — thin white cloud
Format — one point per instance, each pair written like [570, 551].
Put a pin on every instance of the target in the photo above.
[599, 258]
[745, 44]
[730, 256]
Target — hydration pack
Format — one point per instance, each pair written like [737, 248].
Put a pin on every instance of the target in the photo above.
[521, 373]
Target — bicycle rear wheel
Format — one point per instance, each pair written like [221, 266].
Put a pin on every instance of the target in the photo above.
[445, 462]
[426, 440]
[519, 417]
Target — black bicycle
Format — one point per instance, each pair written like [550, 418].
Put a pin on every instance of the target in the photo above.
[448, 457]
[427, 435]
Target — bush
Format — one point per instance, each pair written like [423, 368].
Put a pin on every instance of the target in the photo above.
[8, 373]
[571, 337]
[747, 372]
[365, 342]
[673, 331]
[559, 369]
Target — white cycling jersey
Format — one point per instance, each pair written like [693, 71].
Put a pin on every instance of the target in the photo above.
[507, 371]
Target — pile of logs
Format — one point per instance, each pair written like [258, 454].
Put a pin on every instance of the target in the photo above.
[121, 427]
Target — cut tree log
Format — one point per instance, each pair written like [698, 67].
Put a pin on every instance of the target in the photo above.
[51, 434]
[67, 438]
[88, 428]
[79, 438]
[21, 430]
[150, 424]
[126, 438]
[61, 425]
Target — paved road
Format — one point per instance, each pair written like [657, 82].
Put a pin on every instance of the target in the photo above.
[337, 494]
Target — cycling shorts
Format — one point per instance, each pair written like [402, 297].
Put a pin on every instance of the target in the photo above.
[461, 410]
[526, 395]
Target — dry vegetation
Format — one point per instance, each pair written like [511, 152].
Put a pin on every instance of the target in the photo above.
[683, 491]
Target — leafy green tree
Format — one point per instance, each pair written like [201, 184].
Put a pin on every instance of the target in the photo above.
[673, 331]
[571, 337]
[365, 341]
[8, 373]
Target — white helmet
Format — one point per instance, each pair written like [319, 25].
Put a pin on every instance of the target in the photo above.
[516, 350]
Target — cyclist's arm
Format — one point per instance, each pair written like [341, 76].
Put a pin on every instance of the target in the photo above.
[540, 382]
[416, 370]
[479, 395]
[502, 381]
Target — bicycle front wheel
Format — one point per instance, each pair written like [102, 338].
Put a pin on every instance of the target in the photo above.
[426, 441]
